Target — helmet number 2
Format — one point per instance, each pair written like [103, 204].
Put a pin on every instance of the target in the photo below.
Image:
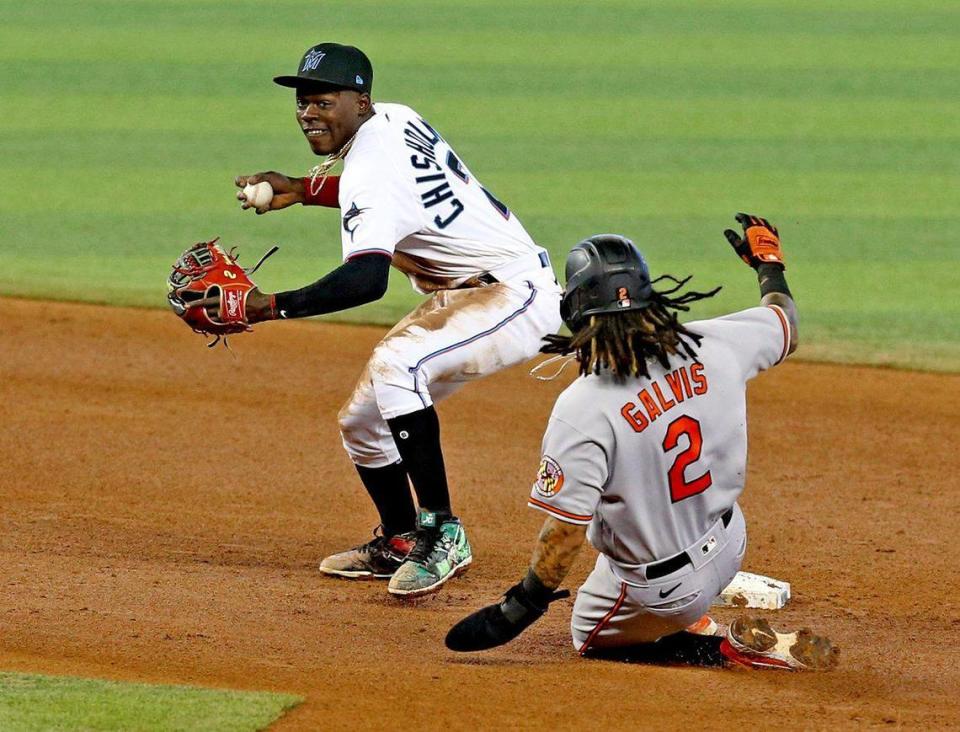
[680, 487]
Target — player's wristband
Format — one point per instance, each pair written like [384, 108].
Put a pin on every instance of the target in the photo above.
[772, 280]
[321, 191]
[528, 600]
[538, 592]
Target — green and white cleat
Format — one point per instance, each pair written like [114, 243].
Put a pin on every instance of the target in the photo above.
[441, 552]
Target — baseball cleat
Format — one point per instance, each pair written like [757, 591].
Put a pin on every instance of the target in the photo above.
[753, 643]
[377, 559]
[705, 626]
[441, 553]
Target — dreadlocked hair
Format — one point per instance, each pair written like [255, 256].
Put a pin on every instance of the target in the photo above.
[624, 342]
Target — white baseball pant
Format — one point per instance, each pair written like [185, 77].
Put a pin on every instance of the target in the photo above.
[453, 337]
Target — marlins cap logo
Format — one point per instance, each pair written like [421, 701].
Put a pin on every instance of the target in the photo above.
[359, 79]
[312, 60]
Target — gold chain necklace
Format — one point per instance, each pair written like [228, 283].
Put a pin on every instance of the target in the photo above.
[322, 171]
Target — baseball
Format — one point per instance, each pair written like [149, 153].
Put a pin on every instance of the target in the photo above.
[258, 195]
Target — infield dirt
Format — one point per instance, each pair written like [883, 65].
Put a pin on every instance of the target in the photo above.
[164, 508]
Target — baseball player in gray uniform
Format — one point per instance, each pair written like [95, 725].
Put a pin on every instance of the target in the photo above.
[407, 200]
[645, 456]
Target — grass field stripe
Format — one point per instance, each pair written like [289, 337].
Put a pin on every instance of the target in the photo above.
[821, 73]
[39, 702]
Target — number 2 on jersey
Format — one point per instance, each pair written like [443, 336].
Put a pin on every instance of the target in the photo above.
[680, 487]
[453, 162]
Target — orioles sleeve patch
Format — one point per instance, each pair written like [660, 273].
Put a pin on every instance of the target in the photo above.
[549, 477]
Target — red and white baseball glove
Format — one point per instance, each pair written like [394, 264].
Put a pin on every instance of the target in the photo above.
[208, 290]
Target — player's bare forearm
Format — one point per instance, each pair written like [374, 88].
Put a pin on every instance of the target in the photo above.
[557, 547]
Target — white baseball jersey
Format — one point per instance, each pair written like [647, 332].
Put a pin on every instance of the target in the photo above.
[406, 193]
[651, 464]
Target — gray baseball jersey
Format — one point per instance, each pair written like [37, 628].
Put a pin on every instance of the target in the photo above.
[651, 464]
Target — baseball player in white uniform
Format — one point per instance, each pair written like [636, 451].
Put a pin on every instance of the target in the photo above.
[407, 200]
[645, 456]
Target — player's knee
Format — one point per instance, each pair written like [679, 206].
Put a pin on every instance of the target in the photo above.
[347, 420]
[399, 387]
[361, 452]
[359, 410]
[387, 365]
[391, 371]
[356, 435]
[363, 443]
[577, 637]
[577, 643]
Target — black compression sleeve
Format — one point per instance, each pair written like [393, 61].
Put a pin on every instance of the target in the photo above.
[356, 282]
[772, 279]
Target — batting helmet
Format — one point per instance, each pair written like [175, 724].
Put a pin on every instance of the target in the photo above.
[605, 274]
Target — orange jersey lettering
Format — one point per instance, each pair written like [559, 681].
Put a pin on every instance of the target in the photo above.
[653, 411]
[686, 381]
[699, 378]
[676, 386]
[636, 419]
[664, 403]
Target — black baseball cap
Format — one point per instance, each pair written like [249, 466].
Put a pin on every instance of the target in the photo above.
[332, 64]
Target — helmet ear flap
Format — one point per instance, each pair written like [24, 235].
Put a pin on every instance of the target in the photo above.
[565, 310]
[568, 310]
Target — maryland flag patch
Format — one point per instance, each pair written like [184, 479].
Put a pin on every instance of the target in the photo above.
[549, 477]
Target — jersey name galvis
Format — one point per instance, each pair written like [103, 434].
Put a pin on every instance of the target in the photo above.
[660, 396]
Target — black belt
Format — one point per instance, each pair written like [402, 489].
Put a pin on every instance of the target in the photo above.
[488, 279]
[678, 561]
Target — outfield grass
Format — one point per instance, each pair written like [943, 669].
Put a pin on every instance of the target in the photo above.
[123, 124]
[49, 703]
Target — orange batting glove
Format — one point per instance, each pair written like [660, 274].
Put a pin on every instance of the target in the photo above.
[760, 243]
